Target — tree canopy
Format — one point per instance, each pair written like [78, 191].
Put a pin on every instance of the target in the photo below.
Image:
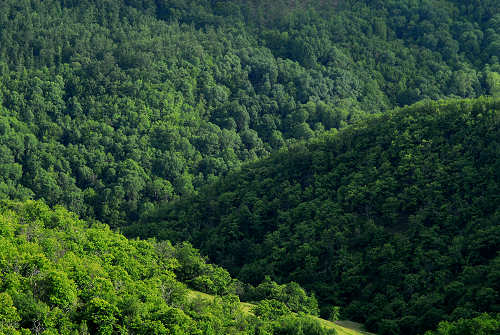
[60, 275]
[395, 219]
[112, 107]
[273, 135]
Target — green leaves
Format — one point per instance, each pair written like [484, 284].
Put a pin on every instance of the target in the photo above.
[270, 309]
[102, 316]
[60, 276]
[9, 318]
[186, 91]
[481, 325]
[391, 219]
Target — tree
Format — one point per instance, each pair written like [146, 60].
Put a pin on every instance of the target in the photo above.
[9, 318]
[270, 309]
[480, 325]
[493, 81]
[334, 314]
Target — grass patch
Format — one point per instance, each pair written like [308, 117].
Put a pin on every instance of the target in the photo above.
[342, 327]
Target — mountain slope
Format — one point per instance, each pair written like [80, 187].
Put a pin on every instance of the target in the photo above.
[59, 275]
[341, 327]
[395, 219]
[111, 107]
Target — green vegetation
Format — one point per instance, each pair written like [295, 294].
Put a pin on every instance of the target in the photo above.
[396, 217]
[109, 107]
[273, 135]
[58, 275]
[340, 327]
[481, 325]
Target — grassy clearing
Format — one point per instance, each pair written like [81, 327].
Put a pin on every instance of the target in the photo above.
[342, 327]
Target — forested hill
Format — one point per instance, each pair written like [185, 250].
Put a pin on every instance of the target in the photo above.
[395, 218]
[60, 275]
[134, 111]
[109, 107]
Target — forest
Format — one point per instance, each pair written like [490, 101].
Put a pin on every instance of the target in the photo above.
[61, 275]
[353, 140]
[396, 217]
[112, 107]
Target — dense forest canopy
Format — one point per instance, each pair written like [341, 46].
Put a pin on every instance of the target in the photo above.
[274, 136]
[59, 275]
[111, 107]
[396, 217]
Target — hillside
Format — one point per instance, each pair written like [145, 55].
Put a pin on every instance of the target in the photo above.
[60, 275]
[340, 327]
[110, 107]
[396, 217]
[276, 137]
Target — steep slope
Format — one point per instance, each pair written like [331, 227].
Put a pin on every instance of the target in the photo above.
[395, 218]
[341, 327]
[114, 106]
[58, 275]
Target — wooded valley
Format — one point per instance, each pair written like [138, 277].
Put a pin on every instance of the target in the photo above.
[315, 158]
